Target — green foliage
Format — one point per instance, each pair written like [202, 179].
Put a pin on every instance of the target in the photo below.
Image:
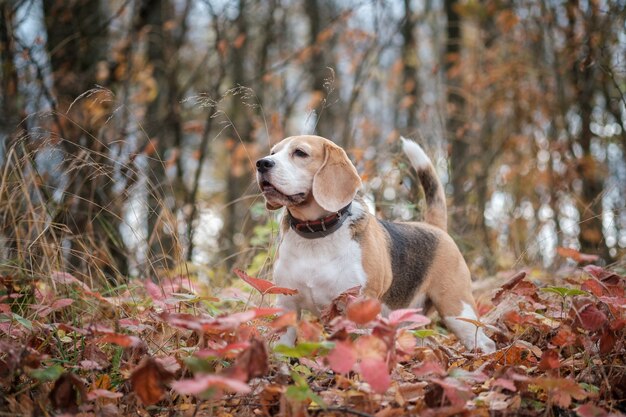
[304, 349]
[301, 391]
[51, 373]
[564, 292]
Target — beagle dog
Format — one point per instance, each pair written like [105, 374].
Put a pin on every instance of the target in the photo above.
[330, 242]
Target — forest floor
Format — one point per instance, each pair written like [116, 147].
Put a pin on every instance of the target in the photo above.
[173, 349]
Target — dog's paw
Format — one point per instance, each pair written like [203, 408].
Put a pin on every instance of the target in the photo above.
[485, 344]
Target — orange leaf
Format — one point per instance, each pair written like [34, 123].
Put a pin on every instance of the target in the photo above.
[575, 255]
[148, 380]
[549, 360]
[151, 147]
[363, 311]
[263, 286]
[122, 340]
[290, 318]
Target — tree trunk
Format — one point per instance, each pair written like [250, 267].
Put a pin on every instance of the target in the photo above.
[456, 118]
[584, 78]
[321, 68]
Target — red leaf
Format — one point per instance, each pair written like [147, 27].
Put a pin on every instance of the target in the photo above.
[103, 393]
[123, 340]
[339, 305]
[607, 342]
[363, 311]
[263, 286]
[202, 383]
[591, 410]
[510, 284]
[429, 368]
[220, 324]
[64, 394]
[576, 256]
[148, 380]
[591, 318]
[290, 318]
[224, 352]
[408, 315]
[549, 360]
[43, 310]
[564, 337]
[253, 362]
[68, 279]
[233, 321]
[561, 390]
[602, 274]
[504, 383]
[374, 372]
[593, 286]
[342, 358]
[455, 390]
[309, 332]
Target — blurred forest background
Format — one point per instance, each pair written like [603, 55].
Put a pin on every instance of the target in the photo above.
[129, 128]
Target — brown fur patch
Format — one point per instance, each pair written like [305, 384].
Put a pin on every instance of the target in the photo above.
[375, 255]
[448, 284]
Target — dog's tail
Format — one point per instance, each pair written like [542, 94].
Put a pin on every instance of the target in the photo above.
[436, 211]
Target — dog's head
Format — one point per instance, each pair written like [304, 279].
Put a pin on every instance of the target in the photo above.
[304, 170]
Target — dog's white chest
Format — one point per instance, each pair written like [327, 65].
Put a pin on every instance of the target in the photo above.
[320, 269]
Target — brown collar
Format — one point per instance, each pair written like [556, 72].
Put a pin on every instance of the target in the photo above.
[322, 227]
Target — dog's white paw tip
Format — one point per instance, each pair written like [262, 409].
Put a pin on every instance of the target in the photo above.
[486, 345]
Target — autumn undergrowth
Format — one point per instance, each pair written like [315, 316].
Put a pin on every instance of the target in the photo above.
[78, 339]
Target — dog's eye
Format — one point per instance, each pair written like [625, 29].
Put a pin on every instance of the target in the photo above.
[300, 153]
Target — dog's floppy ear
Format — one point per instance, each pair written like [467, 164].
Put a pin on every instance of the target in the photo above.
[336, 182]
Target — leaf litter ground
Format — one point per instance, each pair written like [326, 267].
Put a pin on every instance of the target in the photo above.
[168, 349]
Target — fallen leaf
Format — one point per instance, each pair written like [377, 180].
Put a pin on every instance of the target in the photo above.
[549, 360]
[253, 362]
[64, 394]
[103, 393]
[203, 382]
[122, 340]
[511, 283]
[363, 311]
[576, 255]
[607, 342]
[408, 315]
[561, 390]
[339, 305]
[591, 410]
[148, 380]
[602, 274]
[564, 337]
[591, 318]
[429, 368]
[263, 286]
[504, 383]
[593, 286]
[290, 318]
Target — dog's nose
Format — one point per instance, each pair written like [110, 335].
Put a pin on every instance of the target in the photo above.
[263, 165]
